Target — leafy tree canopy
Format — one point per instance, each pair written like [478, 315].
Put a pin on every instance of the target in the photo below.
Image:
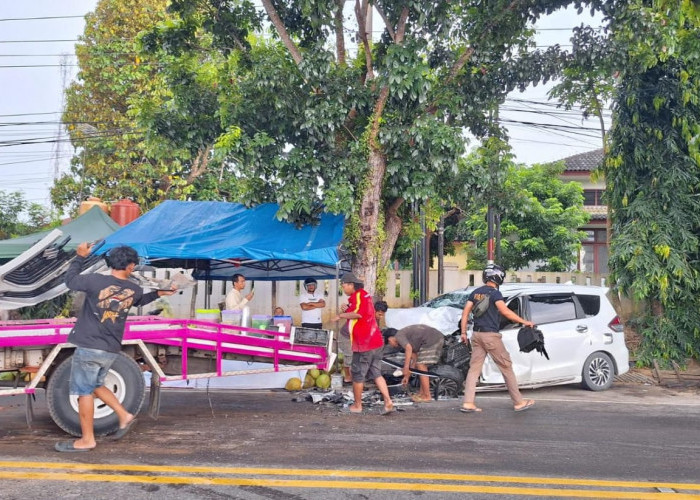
[306, 122]
[19, 217]
[539, 214]
[116, 157]
[653, 173]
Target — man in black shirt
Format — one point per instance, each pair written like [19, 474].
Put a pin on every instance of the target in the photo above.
[97, 335]
[488, 304]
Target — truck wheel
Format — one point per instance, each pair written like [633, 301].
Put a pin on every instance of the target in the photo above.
[449, 384]
[124, 379]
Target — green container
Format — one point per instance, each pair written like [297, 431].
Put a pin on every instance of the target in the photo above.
[260, 321]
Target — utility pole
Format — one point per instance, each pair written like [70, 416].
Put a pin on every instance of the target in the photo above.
[441, 256]
[491, 211]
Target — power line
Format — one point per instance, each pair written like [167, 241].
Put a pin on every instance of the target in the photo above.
[38, 41]
[33, 114]
[39, 18]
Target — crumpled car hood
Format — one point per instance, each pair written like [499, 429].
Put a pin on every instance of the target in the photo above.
[445, 319]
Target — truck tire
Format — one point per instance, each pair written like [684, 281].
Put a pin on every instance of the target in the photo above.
[125, 379]
[449, 384]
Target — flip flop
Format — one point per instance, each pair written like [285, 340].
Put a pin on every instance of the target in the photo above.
[388, 411]
[469, 410]
[350, 411]
[529, 404]
[122, 431]
[68, 447]
[418, 399]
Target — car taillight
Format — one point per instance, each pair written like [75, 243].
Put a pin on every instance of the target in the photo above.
[616, 325]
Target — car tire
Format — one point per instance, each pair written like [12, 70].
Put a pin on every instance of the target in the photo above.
[125, 379]
[450, 382]
[598, 372]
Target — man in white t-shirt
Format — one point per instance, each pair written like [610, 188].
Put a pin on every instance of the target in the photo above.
[311, 301]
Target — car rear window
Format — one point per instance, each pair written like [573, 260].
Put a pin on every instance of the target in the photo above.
[590, 304]
[548, 308]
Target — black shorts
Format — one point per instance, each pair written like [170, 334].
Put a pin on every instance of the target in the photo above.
[316, 326]
[366, 365]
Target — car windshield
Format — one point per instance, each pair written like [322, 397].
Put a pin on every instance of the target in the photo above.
[453, 299]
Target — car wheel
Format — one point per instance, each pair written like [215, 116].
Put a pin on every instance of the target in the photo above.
[450, 382]
[598, 372]
[124, 379]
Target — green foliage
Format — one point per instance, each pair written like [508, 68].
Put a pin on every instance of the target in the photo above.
[120, 99]
[653, 174]
[540, 217]
[19, 217]
[313, 123]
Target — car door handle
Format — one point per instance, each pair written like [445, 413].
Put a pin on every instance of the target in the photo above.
[581, 328]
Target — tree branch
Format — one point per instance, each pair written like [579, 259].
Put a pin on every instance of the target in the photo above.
[361, 15]
[282, 31]
[384, 92]
[339, 36]
[389, 27]
[199, 165]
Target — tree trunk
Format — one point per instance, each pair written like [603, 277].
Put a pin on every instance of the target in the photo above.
[368, 252]
[392, 230]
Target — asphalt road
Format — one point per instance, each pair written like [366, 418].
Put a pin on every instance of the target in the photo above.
[633, 441]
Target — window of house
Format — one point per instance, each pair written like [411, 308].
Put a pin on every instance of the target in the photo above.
[593, 197]
[548, 308]
[593, 256]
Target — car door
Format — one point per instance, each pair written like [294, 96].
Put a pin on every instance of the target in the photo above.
[566, 333]
[522, 362]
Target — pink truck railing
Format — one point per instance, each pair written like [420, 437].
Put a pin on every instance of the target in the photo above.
[280, 349]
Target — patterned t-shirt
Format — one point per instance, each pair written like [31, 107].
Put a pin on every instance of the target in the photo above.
[101, 321]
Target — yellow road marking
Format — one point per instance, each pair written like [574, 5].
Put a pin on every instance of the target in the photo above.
[351, 485]
[351, 474]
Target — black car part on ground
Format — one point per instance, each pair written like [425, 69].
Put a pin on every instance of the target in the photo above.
[446, 378]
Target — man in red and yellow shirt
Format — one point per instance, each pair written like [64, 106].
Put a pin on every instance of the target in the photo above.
[367, 342]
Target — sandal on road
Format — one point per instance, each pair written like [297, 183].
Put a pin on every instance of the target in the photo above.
[470, 409]
[417, 398]
[529, 403]
[69, 447]
[123, 431]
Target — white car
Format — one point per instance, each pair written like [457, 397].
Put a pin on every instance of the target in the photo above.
[583, 334]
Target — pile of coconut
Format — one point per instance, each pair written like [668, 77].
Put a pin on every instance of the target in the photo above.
[313, 378]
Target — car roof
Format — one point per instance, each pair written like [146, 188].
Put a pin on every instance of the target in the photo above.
[513, 288]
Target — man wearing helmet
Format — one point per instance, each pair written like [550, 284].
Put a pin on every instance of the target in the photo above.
[488, 305]
[311, 302]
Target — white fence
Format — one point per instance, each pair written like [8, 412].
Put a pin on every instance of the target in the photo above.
[285, 294]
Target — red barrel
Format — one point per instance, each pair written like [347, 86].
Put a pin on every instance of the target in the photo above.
[125, 211]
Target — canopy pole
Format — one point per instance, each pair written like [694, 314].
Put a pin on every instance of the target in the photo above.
[274, 295]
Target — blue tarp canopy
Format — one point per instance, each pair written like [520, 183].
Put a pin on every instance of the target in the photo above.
[218, 239]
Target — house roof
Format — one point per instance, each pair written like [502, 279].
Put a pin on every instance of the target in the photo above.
[584, 162]
[597, 212]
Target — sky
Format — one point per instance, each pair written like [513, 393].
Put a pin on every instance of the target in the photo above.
[37, 39]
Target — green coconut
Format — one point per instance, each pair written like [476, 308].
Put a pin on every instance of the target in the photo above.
[293, 384]
[314, 373]
[309, 382]
[323, 381]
